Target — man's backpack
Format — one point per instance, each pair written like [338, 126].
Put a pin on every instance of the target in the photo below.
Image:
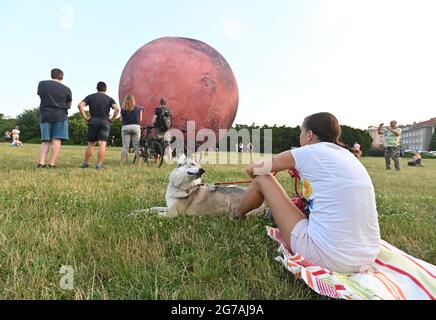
[165, 120]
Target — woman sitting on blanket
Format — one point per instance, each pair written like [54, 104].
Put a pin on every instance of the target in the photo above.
[342, 232]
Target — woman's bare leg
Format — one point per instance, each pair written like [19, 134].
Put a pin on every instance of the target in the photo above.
[267, 188]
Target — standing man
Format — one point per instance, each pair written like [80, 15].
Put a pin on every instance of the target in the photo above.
[162, 121]
[392, 136]
[99, 123]
[56, 99]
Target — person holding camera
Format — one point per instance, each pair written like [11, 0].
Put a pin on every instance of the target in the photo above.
[392, 136]
[99, 123]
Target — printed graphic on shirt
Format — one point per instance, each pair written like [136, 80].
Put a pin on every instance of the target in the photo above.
[307, 192]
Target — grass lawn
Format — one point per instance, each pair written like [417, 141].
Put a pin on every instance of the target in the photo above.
[81, 218]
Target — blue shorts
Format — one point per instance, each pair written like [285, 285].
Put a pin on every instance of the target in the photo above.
[54, 130]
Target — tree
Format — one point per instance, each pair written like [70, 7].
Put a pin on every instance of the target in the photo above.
[432, 146]
[6, 124]
[78, 130]
[285, 138]
[28, 122]
[351, 135]
[116, 131]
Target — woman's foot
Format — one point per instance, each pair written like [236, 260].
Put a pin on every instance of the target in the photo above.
[41, 166]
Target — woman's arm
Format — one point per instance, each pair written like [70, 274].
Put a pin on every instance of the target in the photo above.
[280, 162]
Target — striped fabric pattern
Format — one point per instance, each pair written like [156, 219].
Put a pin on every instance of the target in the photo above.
[395, 275]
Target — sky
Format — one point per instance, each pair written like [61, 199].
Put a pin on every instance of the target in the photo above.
[365, 61]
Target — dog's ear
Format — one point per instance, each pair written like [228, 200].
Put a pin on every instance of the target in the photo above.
[182, 160]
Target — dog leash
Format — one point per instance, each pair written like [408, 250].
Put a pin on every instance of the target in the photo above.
[293, 173]
[233, 183]
[298, 200]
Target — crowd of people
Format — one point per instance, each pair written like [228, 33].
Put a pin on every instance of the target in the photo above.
[56, 100]
[240, 147]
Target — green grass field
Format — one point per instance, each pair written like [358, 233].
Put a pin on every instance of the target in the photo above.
[81, 218]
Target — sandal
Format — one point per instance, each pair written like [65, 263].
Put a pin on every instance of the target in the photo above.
[41, 166]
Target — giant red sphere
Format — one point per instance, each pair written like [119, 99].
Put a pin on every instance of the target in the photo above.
[195, 79]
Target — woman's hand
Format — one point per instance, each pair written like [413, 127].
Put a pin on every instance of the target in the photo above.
[260, 168]
[280, 162]
[250, 172]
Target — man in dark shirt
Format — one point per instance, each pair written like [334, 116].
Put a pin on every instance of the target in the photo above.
[56, 99]
[165, 135]
[99, 122]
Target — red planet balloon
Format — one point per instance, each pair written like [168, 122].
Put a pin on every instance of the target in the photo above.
[195, 79]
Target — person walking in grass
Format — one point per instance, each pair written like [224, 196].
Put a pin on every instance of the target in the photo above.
[56, 99]
[392, 137]
[99, 123]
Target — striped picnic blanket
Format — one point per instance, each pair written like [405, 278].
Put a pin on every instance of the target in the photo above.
[395, 275]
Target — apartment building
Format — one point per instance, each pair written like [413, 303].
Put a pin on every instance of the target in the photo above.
[418, 135]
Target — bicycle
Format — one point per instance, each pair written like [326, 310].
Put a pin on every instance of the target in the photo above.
[151, 148]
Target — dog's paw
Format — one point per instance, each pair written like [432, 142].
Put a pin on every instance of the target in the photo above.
[163, 214]
[144, 212]
[138, 213]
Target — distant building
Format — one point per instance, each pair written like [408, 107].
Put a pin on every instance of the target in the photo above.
[377, 139]
[418, 135]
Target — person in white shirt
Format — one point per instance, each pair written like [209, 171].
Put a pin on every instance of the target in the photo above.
[16, 137]
[342, 231]
[16, 133]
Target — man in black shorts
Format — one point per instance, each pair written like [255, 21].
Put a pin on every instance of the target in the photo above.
[99, 122]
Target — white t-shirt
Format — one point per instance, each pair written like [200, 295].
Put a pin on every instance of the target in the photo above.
[343, 219]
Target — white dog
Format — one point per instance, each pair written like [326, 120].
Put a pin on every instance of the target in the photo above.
[187, 193]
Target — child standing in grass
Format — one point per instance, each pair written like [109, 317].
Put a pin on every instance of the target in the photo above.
[342, 232]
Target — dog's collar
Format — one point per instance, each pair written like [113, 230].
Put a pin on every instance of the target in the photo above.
[183, 194]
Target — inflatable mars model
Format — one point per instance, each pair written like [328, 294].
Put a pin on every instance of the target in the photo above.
[195, 79]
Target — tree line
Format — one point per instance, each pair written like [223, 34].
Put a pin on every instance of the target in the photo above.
[286, 138]
[283, 137]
